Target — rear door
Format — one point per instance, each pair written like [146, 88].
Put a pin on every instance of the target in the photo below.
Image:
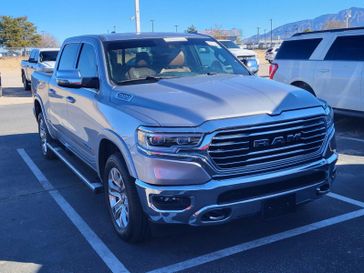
[57, 112]
[83, 114]
[341, 73]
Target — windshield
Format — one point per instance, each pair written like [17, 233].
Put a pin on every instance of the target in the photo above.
[168, 57]
[229, 44]
[46, 56]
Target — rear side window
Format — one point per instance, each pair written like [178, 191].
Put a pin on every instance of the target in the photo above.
[347, 48]
[68, 57]
[87, 62]
[298, 49]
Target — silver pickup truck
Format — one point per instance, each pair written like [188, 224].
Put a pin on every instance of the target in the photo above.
[175, 129]
[40, 59]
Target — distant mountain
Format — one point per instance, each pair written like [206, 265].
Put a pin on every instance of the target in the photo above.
[287, 30]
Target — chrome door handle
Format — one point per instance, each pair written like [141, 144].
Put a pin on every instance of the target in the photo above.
[324, 70]
[71, 99]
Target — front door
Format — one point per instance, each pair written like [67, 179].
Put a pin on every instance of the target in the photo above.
[84, 118]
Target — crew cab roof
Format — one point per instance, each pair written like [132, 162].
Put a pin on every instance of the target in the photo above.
[133, 36]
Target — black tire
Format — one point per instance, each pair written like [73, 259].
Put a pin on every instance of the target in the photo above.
[44, 138]
[26, 83]
[136, 228]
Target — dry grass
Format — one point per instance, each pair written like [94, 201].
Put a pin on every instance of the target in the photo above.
[10, 63]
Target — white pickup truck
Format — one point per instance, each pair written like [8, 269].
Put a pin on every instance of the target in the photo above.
[40, 59]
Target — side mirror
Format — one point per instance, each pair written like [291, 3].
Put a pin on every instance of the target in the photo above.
[32, 60]
[73, 79]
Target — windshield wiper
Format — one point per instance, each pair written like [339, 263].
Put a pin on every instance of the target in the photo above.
[147, 79]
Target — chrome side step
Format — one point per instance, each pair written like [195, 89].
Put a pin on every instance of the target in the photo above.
[90, 182]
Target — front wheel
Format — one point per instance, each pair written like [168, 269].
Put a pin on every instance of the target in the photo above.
[123, 202]
[26, 83]
[45, 138]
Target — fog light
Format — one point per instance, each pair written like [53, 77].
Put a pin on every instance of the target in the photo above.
[170, 202]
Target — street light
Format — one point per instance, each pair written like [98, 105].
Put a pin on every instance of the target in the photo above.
[137, 16]
[152, 21]
[176, 26]
[271, 32]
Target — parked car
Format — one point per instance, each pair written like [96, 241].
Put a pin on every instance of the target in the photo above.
[40, 59]
[329, 64]
[246, 56]
[271, 54]
[178, 131]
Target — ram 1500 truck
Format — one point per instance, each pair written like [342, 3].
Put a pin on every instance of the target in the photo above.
[40, 59]
[179, 131]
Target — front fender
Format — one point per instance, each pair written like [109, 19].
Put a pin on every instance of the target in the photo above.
[123, 148]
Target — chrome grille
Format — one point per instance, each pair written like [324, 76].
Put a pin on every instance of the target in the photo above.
[268, 144]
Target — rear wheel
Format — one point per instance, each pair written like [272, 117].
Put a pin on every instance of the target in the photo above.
[123, 202]
[26, 83]
[45, 138]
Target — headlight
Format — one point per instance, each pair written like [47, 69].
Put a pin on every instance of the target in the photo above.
[329, 115]
[168, 142]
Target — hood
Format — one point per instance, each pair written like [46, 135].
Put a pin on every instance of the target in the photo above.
[190, 101]
[242, 52]
[49, 64]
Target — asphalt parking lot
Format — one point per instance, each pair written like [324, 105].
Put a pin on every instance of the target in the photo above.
[50, 222]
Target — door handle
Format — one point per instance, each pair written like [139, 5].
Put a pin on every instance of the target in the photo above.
[324, 70]
[71, 99]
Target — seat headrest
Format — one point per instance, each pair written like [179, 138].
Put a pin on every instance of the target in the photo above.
[179, 60]
[142, 59]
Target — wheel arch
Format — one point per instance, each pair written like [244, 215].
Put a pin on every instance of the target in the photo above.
[304, 85]
[110, 143]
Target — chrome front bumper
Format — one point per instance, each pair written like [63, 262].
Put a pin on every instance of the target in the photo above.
[204, 198]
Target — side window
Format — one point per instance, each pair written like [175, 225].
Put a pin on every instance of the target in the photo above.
[68, 57]
[347, 48]
[32, 55]
[87, 64]
[297, 49]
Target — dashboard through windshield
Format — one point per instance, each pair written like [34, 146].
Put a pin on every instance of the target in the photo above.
[168, 57]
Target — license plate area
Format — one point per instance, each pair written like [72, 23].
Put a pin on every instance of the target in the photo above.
[278, 206]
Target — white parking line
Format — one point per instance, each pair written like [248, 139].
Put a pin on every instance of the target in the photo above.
[95, 242]
[216, 255]
[346, 199]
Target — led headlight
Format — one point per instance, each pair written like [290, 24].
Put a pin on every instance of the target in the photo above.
[167, 141]
[329, 116]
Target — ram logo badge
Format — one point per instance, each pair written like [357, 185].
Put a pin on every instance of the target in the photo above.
[277, 141]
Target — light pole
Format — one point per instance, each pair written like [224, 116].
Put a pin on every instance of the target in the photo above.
[271, 32]
[258, 28]
[152, 21]
[347, 18]
[176, 26]
[137, 16]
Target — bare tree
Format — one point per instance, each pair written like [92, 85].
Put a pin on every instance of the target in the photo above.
[333, 24]
[217, 32]
[48, 40]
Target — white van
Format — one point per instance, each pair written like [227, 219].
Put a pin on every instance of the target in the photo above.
[329, 64]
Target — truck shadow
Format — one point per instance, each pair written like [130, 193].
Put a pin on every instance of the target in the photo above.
[13, 92]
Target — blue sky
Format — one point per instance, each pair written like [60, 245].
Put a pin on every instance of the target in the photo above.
[64, 18]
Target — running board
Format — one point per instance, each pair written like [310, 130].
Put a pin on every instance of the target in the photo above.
[87, 176]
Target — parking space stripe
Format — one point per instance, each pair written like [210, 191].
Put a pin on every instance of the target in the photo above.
[216, 255]
[95, 242]
[346, 199]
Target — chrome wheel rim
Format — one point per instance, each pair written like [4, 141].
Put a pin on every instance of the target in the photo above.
[43, 136]
[117, 198]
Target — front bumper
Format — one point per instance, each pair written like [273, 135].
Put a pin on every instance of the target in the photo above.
[206, 199]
